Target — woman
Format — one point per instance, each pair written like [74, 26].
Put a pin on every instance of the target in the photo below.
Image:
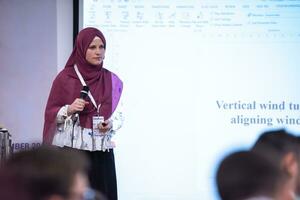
[87, 124]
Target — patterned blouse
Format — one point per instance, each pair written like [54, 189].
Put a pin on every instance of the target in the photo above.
[84, 138]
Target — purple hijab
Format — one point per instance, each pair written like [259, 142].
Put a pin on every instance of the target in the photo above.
[105, 86]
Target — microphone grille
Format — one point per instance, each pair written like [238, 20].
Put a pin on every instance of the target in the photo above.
[84, 92]
[86, 88]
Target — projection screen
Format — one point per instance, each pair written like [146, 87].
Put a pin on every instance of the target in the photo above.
[201, 79]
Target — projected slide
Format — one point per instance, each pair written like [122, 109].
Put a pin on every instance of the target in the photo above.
[201, 79]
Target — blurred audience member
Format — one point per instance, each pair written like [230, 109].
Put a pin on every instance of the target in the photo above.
[45, 173]
[283, 149]
[245, 175]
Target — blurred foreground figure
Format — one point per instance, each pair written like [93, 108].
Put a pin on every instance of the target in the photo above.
[283, 149]
[246, 175]
[45, 173]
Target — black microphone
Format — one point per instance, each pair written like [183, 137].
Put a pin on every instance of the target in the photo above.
[83, 95]
[84, 92]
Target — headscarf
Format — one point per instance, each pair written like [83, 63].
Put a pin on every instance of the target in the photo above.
[105, 86]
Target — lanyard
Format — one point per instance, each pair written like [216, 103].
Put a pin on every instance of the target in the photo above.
[84, 84]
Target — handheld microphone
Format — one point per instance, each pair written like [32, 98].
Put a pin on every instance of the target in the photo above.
[83, 95]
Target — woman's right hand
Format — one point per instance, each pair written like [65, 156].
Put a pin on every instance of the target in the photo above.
[77, 106]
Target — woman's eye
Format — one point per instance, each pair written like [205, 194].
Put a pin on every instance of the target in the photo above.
[94, 47]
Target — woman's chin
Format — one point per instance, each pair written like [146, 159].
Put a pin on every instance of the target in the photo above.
[96, 63]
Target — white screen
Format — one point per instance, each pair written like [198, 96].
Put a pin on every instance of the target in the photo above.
[201, 79]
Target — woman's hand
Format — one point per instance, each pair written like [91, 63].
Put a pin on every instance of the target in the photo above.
[105, 126]
[77, 106]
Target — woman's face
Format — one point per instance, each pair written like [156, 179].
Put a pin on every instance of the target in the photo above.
[95, 52]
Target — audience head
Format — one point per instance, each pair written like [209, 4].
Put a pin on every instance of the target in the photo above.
[45, 173]
[245, 174]
[298, 177]
[283, 148]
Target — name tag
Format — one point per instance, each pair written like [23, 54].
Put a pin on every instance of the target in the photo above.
[96, 121]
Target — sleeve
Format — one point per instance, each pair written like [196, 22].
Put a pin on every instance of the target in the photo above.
[117, 118]
[62, 114]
